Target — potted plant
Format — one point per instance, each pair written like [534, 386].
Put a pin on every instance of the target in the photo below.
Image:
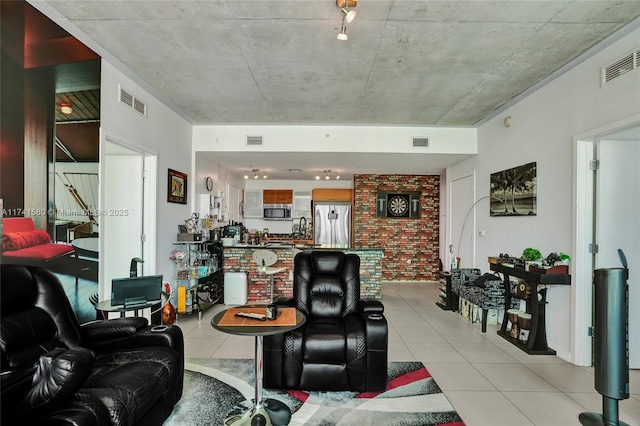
[530, 255]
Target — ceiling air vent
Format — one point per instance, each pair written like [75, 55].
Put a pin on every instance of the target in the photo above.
[621, 66]
[254, 140]
[132, 102]
[421, 142]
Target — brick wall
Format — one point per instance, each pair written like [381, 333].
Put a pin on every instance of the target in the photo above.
[411, 246]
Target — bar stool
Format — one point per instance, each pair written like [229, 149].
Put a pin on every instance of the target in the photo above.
[265, 259]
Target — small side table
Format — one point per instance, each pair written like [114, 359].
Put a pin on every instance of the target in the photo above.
[258, 411]
[106, 306]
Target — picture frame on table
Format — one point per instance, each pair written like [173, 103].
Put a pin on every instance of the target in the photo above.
[177, 187]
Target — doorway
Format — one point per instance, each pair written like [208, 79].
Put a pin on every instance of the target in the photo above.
[607, 202]
[461, 241]
[128, 200]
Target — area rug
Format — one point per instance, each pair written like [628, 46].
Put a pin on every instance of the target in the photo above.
[412, 398]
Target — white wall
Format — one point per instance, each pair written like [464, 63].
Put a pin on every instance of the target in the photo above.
[161, 132]
[543, 128]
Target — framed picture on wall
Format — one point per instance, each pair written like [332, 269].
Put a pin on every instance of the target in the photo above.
[514, 192]
[177, 187]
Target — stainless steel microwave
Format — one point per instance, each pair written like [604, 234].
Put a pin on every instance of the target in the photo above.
[277, 211]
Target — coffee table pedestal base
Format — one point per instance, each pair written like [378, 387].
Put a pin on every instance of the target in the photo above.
[270, 412]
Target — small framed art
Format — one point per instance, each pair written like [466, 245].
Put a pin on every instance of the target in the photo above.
[177, 187]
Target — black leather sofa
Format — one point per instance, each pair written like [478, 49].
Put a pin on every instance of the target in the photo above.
[58, 372]
[343, 343]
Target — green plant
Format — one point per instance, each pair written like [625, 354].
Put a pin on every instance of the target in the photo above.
[530, 254]
[564, 257]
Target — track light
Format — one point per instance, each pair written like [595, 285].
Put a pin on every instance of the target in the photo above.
[349, 15]
[342, 36]
[317, 177]
[255, 174]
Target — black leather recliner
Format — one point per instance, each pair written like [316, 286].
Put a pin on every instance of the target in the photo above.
[343, 343]
[58, 372]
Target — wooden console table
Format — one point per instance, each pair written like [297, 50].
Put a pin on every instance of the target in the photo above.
[537, 342]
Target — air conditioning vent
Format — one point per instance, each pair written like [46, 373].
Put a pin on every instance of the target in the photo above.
[621, 66]
[140, 106]
[132, 102]
[254, 140]
[421, 142]
[126, 98]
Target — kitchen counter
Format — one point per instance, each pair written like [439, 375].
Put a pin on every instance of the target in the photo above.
[305, 247]
[239, 258]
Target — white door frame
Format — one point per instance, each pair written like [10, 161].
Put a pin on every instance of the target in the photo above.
[149, 199]
[581, 265]
[455, 240]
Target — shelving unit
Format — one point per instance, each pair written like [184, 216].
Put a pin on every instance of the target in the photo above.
[209, 289]
[448, 300]
[537, 342]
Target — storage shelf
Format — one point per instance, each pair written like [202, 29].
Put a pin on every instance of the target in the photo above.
[448, 300]
[213, 279]
[537, 342]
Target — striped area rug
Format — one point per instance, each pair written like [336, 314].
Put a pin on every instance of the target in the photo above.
[412, 397]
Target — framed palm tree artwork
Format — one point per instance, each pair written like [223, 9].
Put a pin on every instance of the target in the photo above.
[513, 191]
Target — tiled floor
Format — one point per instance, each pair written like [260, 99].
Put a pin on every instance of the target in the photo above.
[489, 381]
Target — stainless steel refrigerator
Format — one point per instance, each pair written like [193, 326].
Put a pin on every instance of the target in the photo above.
[332, 224]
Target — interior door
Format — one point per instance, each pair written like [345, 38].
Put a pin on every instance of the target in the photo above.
[618, 224]
[461, 241]
[123, 208]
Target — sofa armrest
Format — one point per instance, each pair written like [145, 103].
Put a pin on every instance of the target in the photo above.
[370, 306]
[59, 374]
[103, 330]
[159, 335]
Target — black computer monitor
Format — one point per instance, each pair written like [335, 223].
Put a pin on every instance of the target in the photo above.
[136, 290]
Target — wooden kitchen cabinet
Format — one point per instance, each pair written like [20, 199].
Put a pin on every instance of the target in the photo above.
[277, 196]
[332, 194]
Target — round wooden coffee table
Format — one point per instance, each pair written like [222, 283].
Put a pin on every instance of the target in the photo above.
[258, 410]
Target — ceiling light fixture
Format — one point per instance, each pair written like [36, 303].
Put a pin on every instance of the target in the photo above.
[66, 108]
[342, 36]
[255, 174]
[347, 16]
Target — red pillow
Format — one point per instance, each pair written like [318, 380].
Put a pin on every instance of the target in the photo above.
[21, 240]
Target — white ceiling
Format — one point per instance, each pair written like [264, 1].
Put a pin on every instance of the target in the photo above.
[407, 62]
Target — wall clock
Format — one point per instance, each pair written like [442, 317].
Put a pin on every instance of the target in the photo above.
[208, 182]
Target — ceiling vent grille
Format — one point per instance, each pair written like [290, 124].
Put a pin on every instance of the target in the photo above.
[254, 140]
[132, 102]
[621, 66]
[421, 142]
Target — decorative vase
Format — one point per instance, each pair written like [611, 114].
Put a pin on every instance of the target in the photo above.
[168, 313]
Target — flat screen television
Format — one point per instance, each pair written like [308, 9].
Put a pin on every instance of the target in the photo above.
[136, 290]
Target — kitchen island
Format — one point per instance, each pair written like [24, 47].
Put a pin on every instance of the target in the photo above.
[239, 258]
